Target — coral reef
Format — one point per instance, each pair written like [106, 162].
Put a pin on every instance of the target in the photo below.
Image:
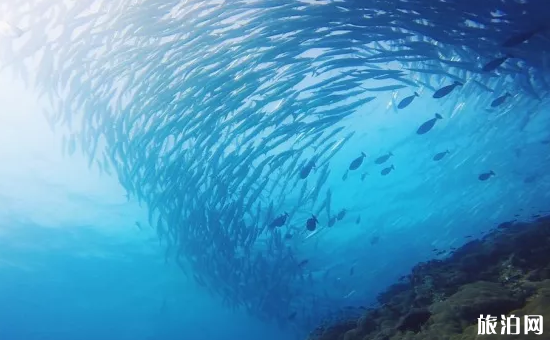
[507, 273]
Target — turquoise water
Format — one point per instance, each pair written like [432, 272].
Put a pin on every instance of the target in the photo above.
[112, 228]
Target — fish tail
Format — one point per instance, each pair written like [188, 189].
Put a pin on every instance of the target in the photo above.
[438, 116]
[416, 94]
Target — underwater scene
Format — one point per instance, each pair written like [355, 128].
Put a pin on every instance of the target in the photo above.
[274, 169]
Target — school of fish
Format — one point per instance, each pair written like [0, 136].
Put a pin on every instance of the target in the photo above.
[224, 117]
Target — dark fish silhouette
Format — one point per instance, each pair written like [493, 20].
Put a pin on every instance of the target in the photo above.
[307, 169]
[311, 223]
[445, 90]
[356, 163]
[331, 221]
[495, 63]
[383, 158]
[364, 175]
[485, 176]
[522, 37]
[279, 221]
[500, 100]
[387, 170]
[406, 101]
[439, 156]
[341, 214]
[428, 125]
[506, 224]
[345, 176]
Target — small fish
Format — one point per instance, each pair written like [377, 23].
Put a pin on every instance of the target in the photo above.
[485, 176]
[311, 223]
[428, 125]
[500, 100]
[332, 221]
[439, 156]
[364, 175]
[445, 90]
[530, 179]
[279, 221]
[374, 240]
[383, 159]
[345, 176]
[356, 163]
[341, 214]
[305, 171]
[522, 37]
[387, 170]
[303, 263]
[495, 63]
[358, 220]
[9, 30]
[506, 224]
[406, 101]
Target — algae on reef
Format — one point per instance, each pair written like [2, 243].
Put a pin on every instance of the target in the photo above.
[505, 273]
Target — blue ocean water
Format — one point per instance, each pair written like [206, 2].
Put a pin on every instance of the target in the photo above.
[73, 264]
[78, 260]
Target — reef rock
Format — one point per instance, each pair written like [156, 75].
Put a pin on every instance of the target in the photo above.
[507, 273]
